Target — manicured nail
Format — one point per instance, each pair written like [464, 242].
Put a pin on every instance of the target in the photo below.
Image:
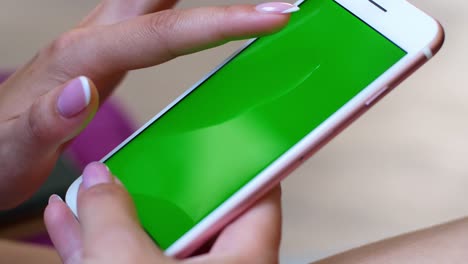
[277, 8]
[55, 198]
[75, 97]
[94, 174]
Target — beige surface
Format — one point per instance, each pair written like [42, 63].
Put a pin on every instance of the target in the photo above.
[402, 166]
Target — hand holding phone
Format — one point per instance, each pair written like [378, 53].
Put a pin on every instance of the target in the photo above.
[238, 132]
[109, 230]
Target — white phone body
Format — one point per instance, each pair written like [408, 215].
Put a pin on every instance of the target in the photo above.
[405, 25]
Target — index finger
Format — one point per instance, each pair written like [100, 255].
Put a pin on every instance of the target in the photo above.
[153, 39]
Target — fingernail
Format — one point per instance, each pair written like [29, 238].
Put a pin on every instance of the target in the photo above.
[94, 174]
[75, 97]
[55, 198]
[277, 8]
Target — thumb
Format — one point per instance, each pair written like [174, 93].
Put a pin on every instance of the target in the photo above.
[109, 225]
[59, 115]
[36, 137]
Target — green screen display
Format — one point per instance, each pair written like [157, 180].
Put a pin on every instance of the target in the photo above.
[248, 114]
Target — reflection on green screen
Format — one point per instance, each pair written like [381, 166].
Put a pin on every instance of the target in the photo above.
[247, 115]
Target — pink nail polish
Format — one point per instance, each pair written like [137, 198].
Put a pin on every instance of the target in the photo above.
[55, 198]
[277, 8]
[74, 98]
[94, 174]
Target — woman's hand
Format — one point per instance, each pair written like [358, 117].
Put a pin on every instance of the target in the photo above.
[109, 231]
[44, 104]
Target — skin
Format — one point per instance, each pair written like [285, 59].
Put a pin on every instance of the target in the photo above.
[446, 243]
[109, 231]
[20, 253]
[116, 37]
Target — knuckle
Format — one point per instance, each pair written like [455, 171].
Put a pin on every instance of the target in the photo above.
[36, 126]
[60, 45]
[59, 57]
[63, 42]
[162, 26]
[164, 21]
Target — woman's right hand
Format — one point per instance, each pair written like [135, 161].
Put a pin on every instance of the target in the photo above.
[109, 231]
[44, 104]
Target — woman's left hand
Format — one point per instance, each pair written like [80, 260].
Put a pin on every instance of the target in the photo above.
[44, 104]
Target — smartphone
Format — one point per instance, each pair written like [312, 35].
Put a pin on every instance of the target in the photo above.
[239, 131]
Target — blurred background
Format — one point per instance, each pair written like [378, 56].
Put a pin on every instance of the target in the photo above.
[401, 167]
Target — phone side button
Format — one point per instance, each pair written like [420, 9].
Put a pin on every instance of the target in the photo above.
[376, 96]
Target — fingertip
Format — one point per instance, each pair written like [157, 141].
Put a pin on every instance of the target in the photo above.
[76, 104]
[55, 212]
[96, 173]
[74, 98]
[54, 198]
[86, 84]
[57, 217]
[91, 91]
[251, 21]
[57, 116]
[280, 8]
[108, 217]
[63, 228]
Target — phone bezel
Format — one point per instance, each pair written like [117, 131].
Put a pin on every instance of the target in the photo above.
[399, 24]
